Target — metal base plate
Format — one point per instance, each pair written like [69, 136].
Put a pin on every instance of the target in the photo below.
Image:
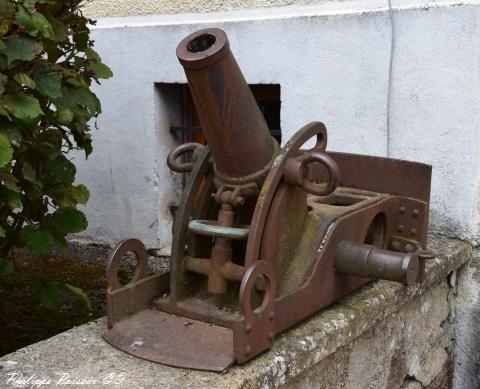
[173, 340]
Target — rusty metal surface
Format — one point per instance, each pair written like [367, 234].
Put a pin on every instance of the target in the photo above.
[263, 238]
[174, 340]
[368, 261]
[272, 181]
[182, 167]
[125, 300]
[236, 132]
[135, 297]
[384, 175]
[296, 173]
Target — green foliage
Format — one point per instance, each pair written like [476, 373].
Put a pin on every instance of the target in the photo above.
[51, 294]
[47, 66]
[6, 267]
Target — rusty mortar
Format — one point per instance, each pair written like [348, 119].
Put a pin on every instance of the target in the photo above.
[264, 236]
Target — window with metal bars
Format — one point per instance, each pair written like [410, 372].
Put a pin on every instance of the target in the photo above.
[190, 130]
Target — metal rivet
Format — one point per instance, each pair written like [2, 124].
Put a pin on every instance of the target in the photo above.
[413, 231]
[402, 210]
[271, 336]
[247, 349]
[271, 316]
[415, 213]
[248, 328]
[401, 228]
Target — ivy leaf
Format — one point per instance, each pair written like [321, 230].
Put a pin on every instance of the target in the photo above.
[4, 27]
[49, 293]
[80, 194]
[61, 243]
[80, 294]
[6, 151]
[50, 143]
[30, 4]
[48, 82]
[10, 182]
[24, 79]
[20, 48]
[69, 197]
[79, 99]
[10, 198]
[39, 242]
[7, 9]
[22, 106]
[35, 23]
[92, 54]
[59, 170]
[14, 135]
[64, 115]
[3, 83]
[100, 69]
[70, 220]
[29, 172]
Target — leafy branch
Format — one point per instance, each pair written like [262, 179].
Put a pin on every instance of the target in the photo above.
[47, 66]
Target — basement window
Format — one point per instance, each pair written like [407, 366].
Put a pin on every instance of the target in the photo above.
[186, 126]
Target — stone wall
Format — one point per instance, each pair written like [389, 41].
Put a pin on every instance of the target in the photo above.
[383, 336]
[412, 348]
[466, 352]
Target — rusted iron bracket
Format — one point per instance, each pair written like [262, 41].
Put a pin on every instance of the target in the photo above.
[264, 237]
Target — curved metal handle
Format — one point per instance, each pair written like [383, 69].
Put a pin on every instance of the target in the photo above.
[184, 167]
[134, 246]
[296, 173]
[259, 268]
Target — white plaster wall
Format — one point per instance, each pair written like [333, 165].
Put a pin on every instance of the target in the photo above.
[96, 8]
[102, 8]
[332, 62]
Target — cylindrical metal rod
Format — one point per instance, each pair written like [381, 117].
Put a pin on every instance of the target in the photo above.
[236, 132]
[371, 262]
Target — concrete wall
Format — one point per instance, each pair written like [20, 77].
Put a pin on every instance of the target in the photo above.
[382, 336]
[332, 63]
[96, 8]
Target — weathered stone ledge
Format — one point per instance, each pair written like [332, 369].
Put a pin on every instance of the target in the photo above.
[83, 355]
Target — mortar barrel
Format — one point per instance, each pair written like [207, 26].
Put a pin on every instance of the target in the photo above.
[235, 129]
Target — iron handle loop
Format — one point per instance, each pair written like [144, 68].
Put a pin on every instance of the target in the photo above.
[296, 173]
[259, 268]
[128, 245]
[180, 167]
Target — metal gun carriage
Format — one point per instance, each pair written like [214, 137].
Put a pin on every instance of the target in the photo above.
[264, 236]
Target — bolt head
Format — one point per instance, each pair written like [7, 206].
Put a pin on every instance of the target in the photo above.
[409, 248]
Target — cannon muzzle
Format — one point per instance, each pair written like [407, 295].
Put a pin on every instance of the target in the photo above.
[236, 132]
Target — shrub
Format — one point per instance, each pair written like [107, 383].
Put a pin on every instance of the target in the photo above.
[47, 66]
